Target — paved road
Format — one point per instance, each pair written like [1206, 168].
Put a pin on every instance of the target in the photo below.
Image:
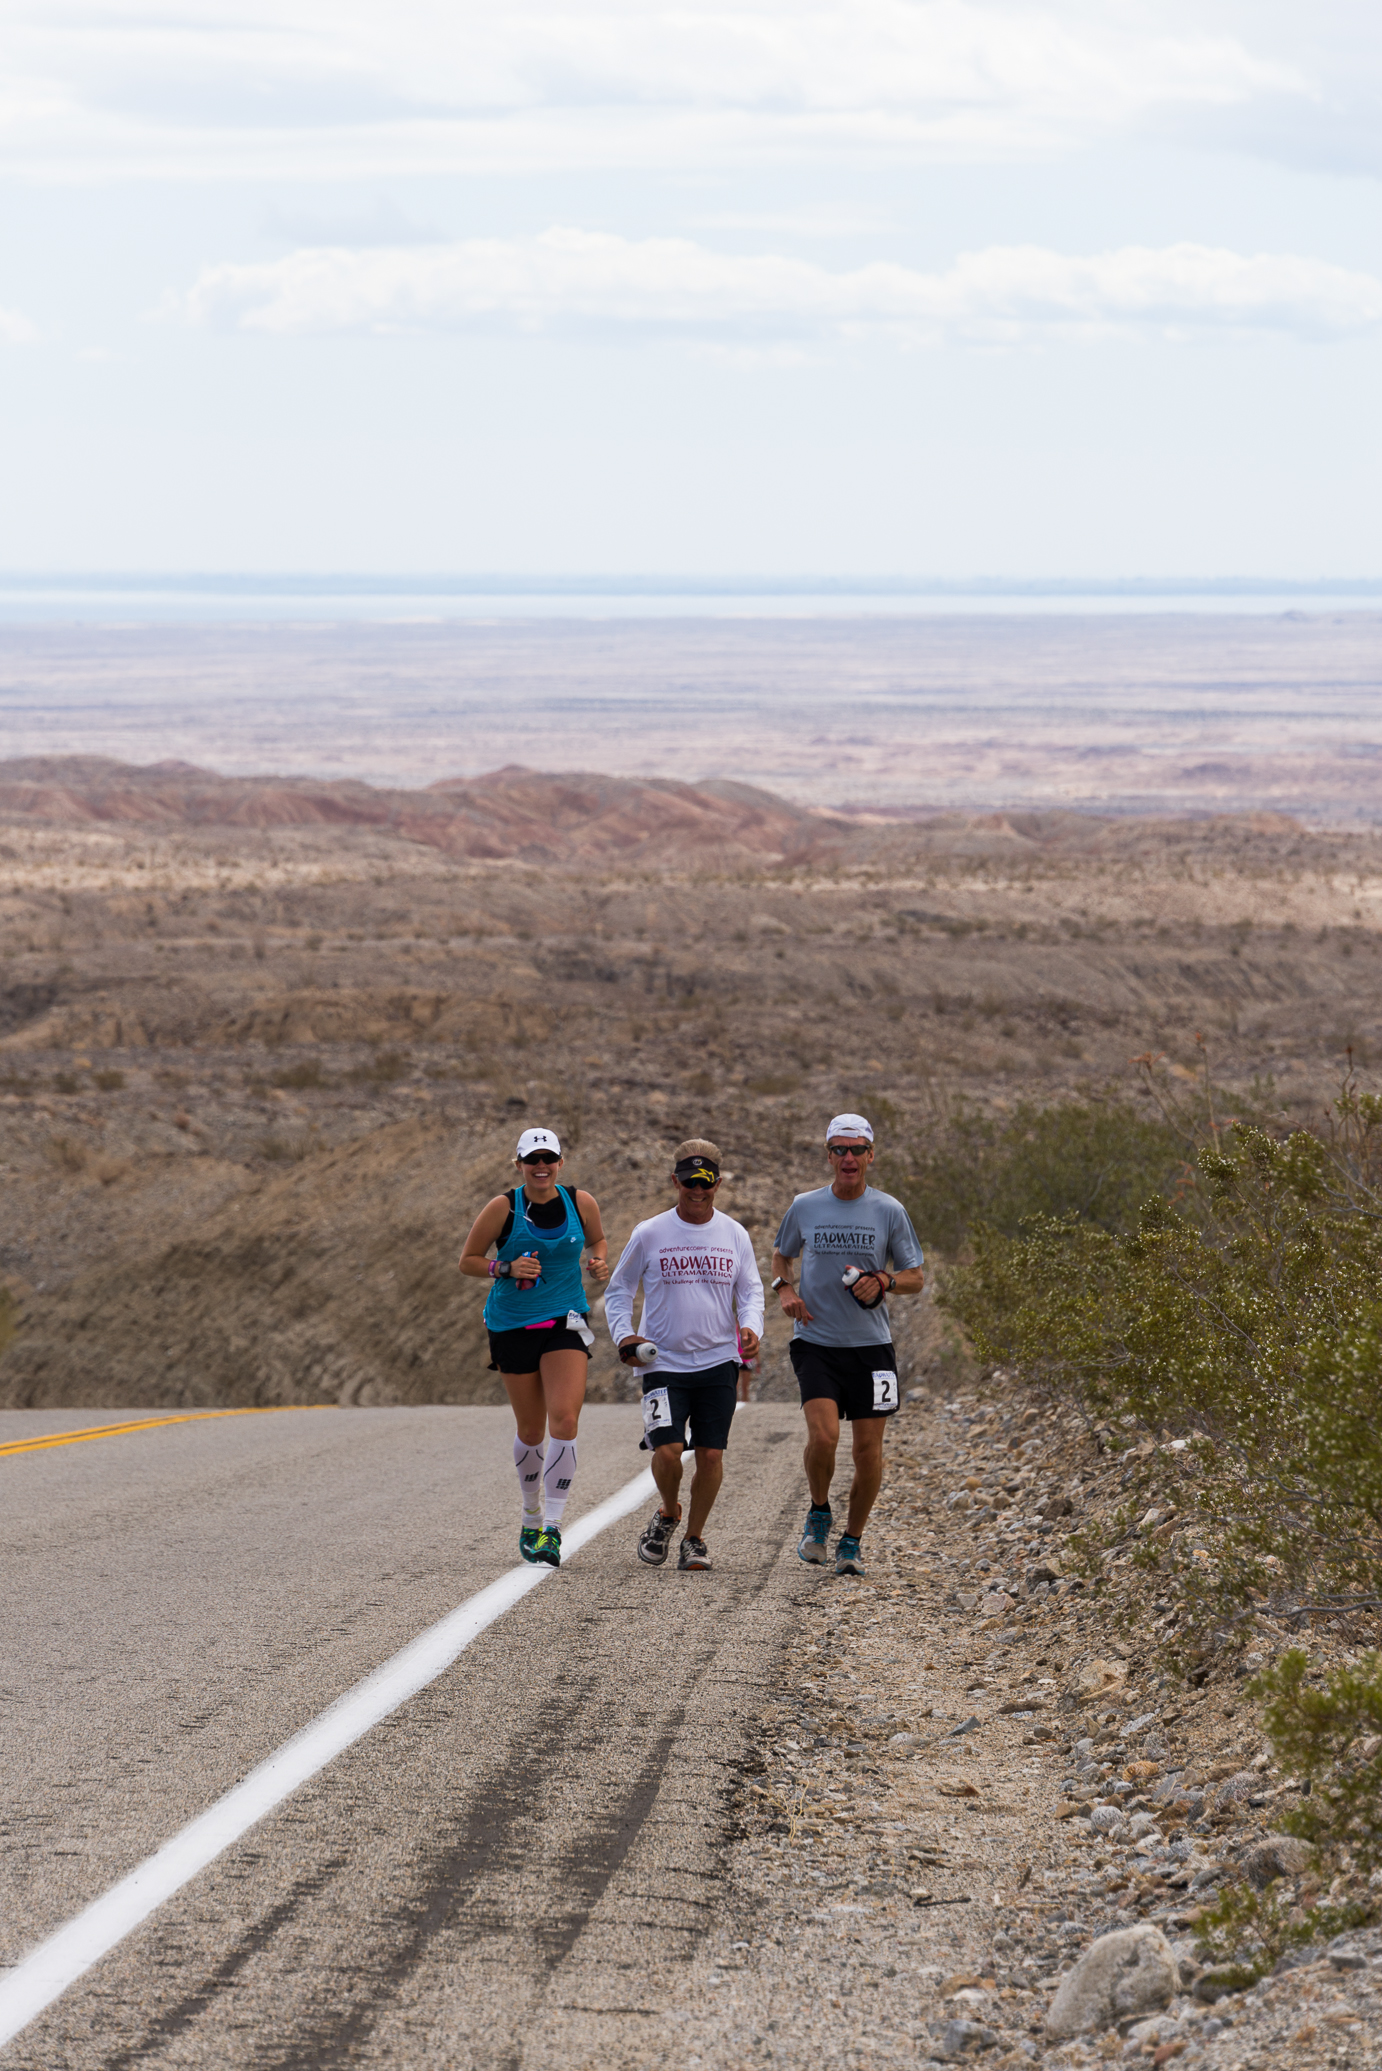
[506, 1871]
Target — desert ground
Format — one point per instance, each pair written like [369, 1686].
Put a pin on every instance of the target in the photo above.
[1125, 713]
[266, 1044]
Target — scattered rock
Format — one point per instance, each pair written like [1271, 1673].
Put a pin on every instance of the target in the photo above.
[1098, 1676]
[1128, 1973]
[1279, 1855]
[1236, 1791]
[1218, 1982]
[957, 2039]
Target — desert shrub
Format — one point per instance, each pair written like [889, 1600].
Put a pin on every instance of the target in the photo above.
[9, 1317]
[385, 1069]
[1091, 1160]
[301, 1077]
[289, 1149]
[66, 1154]
[109, 1081]
[66, 1082]
[1249, 1321]
[1331, 1737]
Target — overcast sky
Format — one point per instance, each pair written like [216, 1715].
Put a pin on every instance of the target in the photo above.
[945, 287]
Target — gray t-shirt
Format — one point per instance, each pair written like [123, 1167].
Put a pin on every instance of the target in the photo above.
[829, 1234]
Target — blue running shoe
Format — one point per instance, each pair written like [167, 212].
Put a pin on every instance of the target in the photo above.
[811, 1545]
[848, 1559]
[548, 1547]
[527, 1541]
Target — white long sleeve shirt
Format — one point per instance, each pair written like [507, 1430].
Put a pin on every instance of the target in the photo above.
[700, 1283]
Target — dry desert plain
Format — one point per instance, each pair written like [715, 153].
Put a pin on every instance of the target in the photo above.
[265, 1044]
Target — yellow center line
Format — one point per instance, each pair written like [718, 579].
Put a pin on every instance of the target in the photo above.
[191, 1416]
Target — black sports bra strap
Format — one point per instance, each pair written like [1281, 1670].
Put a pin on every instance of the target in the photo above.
[507, 1231]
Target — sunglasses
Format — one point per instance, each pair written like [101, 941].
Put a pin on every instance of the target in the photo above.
[848, 1150]
[541, 1158]
[700, 1186]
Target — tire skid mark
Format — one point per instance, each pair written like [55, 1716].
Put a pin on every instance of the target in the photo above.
[178, 2018]
[452, 1874]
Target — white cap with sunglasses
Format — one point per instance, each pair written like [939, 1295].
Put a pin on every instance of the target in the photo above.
[849, 1125]
[537, 1140]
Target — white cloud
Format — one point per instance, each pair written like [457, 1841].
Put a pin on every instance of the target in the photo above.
[568, 279]
[341, 88]
[16, 329]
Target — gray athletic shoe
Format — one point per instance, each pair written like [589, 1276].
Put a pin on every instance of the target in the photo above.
[811, 1545]
[657, 1537]
[848, 1559]
[693, 1553]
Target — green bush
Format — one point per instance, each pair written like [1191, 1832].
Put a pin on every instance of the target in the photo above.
[1249, 1321]
[1091, 1160]
[1331, 1737]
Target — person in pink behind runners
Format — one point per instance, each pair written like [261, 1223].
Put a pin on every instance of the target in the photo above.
[539, 1333]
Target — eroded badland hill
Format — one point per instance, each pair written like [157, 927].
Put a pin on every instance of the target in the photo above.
[265, 1045]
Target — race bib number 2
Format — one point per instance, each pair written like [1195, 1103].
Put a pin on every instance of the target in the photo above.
[657, 1411]
[884, 1388]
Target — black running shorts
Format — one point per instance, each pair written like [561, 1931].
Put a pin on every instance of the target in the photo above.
[860, 1379]
[518, 1351]
[706, 1399]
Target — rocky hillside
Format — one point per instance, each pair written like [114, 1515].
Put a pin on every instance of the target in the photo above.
[533, 815]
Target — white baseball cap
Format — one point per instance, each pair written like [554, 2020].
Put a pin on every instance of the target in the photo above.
[849, 1125]
[537, 1140]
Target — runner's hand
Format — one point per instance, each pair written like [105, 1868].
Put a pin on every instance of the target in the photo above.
[748, 1344]
[626, 1346]
[598, 1268]
[526, 1268]
[868, 1290]
[794, 1306]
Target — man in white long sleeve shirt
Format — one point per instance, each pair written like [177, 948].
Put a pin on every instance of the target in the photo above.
[702, 1301]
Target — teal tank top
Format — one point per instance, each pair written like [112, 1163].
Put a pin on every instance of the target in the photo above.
[560, 1252]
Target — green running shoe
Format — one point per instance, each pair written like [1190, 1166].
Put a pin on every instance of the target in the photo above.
[548, 1547]
[848, 1559]
[811, 1545]
[527, 1541]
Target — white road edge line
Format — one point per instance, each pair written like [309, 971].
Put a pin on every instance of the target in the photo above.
[54, 1965]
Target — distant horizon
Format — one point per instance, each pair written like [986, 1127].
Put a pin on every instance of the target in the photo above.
[230, 581]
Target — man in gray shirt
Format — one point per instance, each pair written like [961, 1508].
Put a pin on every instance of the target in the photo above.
[845, 1235]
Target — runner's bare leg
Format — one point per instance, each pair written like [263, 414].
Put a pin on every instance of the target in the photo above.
[868, 1472]
[666, 1465]
[705, 1487]
[822, 1442]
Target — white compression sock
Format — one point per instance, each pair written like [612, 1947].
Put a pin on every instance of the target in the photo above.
[528, 1460]
[557, 1477]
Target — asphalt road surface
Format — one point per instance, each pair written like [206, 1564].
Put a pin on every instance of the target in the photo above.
[505, 1872]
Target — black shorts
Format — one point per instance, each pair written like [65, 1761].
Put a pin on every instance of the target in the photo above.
[707, 1398]
[860, 1379]
[519, 1350]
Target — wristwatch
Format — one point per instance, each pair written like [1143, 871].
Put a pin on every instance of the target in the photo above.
[783, 1281]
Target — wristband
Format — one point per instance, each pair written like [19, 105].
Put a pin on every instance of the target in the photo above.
[500, 1269]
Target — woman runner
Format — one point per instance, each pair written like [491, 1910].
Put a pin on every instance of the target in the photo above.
[539, 1340]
